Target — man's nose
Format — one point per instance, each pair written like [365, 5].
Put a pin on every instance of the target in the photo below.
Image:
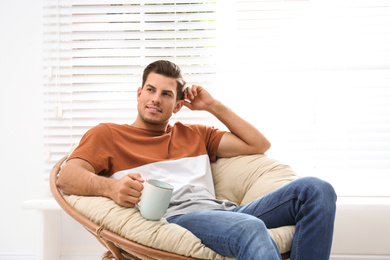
[156, 98]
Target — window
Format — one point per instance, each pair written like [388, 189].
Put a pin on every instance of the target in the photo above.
[315, 78]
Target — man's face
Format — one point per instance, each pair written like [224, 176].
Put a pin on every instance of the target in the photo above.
[157, 100]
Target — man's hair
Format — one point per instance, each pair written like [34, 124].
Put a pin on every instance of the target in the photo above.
[167, 69]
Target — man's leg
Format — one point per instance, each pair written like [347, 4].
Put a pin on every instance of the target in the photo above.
[231, 234]
[309, 204]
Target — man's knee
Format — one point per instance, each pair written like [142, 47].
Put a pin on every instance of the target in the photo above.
[325, 189]
[322, 191]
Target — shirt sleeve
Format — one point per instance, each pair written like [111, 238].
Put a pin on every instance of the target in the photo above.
[96, 147]
[212, 137]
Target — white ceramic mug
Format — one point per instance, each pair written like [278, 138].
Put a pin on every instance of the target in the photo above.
[155, 199]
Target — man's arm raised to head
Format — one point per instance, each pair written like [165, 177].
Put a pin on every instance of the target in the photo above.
[243, 137]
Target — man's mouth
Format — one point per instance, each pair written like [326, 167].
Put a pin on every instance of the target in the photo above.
[154, 109]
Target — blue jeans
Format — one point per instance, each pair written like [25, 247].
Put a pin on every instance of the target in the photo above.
[308, 203]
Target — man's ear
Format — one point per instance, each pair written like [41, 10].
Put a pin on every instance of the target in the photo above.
[178, 106]
[139, 92]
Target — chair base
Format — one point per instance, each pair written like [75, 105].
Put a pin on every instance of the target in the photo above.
[108, 256]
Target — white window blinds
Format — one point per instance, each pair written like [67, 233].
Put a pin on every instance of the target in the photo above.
[96, 50]
[315, 78]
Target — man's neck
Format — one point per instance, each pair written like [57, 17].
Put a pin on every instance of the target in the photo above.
[140, 123]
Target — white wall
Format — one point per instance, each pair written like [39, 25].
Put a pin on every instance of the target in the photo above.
[21, 122]
[21, 135]
[21, 138]
[364, 232]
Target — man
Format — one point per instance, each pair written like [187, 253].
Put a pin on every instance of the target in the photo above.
[181, 155]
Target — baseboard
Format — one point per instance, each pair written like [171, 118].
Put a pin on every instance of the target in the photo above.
[18, 256]
[360, 257]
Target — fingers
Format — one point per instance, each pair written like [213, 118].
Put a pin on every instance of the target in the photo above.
[129, 199]
[136, 176]
[134, 184]
[189, 105]
[192, 92]
[129, 190]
